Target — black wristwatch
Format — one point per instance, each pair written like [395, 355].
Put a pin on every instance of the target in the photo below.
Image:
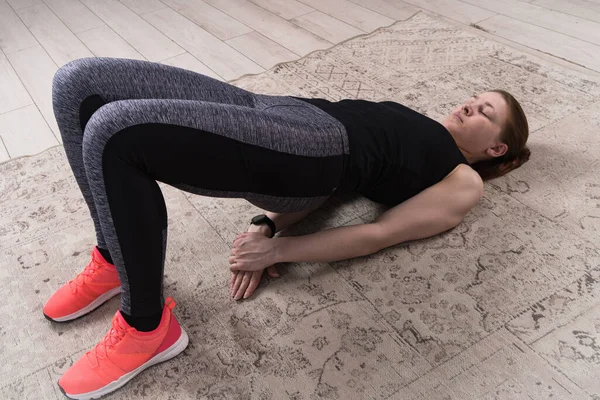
[262, 219]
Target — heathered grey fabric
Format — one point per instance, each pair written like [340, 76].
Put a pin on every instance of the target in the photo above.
[139, 92]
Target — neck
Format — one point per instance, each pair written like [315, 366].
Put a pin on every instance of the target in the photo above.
[471, 158]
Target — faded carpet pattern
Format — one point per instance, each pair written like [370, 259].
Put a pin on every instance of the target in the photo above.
[502, 307]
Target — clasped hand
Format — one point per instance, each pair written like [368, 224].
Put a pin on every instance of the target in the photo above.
[251, 254]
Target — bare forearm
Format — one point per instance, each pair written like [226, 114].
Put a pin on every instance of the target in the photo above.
[329, 245]
[360, 240]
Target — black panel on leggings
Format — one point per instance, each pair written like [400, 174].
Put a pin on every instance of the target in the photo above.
[136, 157]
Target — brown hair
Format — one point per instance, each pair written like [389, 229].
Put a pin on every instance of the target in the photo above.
[515, 135]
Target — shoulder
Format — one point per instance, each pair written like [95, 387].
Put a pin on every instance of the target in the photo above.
[465, 176]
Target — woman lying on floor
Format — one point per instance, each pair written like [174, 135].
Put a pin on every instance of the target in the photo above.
[127, 124]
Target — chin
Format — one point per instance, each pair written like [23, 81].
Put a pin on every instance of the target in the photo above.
[450, 125]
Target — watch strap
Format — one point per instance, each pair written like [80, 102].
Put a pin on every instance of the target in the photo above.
[263, 219]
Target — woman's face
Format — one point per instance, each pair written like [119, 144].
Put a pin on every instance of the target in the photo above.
[476, 126]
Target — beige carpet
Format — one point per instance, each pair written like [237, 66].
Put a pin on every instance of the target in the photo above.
[502, 307]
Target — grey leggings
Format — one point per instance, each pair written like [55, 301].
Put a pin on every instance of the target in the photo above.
[127, 124]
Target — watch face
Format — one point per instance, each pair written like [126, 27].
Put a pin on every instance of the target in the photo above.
[258, 219]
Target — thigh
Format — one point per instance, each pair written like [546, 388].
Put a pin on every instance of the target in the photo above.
[279, 162]
[115, 79]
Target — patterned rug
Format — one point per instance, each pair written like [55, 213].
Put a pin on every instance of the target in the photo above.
[502, 307]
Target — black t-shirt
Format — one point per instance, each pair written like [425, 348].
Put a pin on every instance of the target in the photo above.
[395, 152]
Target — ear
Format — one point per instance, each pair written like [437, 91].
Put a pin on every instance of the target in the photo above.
[497, 151]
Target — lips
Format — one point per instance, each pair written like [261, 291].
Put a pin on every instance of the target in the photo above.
[458, 116]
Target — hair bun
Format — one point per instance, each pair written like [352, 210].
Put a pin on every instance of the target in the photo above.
[523, 157]
[518, 160]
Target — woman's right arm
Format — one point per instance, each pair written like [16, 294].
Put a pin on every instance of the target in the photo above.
[436, 209]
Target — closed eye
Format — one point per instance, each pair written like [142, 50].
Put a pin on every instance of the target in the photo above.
[484, 114]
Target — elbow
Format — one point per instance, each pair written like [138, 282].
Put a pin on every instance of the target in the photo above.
[455, 222]
[383, 238]
[473, 197]
[378, 239]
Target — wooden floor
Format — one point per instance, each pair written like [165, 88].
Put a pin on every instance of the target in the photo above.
[229, 38]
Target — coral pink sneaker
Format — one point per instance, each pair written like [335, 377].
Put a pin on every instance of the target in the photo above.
[122, 354]
[97, 283]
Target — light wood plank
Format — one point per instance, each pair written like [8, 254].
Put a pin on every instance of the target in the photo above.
[144, 6]
[104, 42]
[543, 17]
[13, 94]
[261, 49]
[394, 9]
[453, 9]
[218, 56]
[19, 4]
[286, 9]
[191, 63]
[272, 26]
[60, 43]
[545, 40]
[24, 132]
[579, 8]
[74, 14]
[145, 38]
[209, 18]
[36, 70]
[327, 27]
[3, 152]
[351, 13]
[530, 52]
[14, 35]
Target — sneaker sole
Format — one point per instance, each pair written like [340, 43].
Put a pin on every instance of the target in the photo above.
[175, 349]
[89, 308]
